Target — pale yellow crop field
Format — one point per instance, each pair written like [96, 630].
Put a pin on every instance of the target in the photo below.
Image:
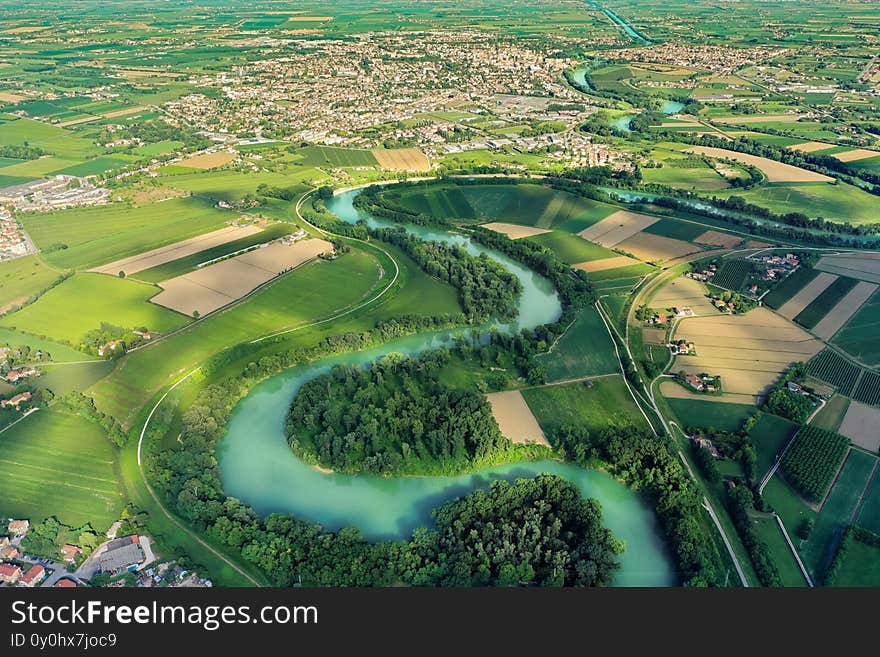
[208, 160]
[856, 154]
[617, 227]
[656, 248]
[775, 171]
[402, 159]
[684, 291]
[716, 238]
[606, 263]
[748, 351]
[515, 231]
[515, 418]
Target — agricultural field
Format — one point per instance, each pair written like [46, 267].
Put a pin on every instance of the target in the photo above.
[514, 418]
[606, 402]
[836, 512]
[701, 414]
[749, 352]
[858, 336]
[860, 567]
[811, 463]
[327, 156]
[23, 277]
[733, 274]
[574, 250]
[840, 203]
[797, 302]
[209, 288]
[769, 437]
[868, 388]
[832, 413]
[58, 464]
[869, 513]
[832, 368]
[86, 237]
[776, 172]
[816, 309]
[585, 349]
[81, 303]
[860, 424]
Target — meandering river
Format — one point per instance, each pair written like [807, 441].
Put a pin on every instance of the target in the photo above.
[258, 467]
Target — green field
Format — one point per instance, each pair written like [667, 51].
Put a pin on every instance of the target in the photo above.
[691, 173]
[571, 248]
[770, 435]
[328, 156]
[819, 307]
[790, 286]
[869, 514]
[60, 353]
[57, 464]
[606, 403]
[585, 349]
[93, 167]
[840, 203]
[86, 237]
[229, 185]
[679, 230]
[835, 515]
[788, 504]
[768, 531]
[65, 377]
[68, 311]
[438, 201]
[23, 277]
[859, 335]
[832, 413]
[709, 414]
[628, 272]
[860, 567]
[535, 205]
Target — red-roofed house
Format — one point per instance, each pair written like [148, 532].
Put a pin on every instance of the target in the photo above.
[9, 573]
[8, 552]
[65, 583]
[33, 576]
[69, 552]
[16, 400]
[694, 382]
[19, 527]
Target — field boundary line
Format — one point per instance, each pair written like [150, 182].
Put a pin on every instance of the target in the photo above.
[797, 557]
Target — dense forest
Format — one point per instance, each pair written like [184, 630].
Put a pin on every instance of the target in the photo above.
[395, 417]
[538, 530]
[650, 465]
[485, 288]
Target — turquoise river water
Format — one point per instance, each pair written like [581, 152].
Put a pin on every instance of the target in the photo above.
[258, 467]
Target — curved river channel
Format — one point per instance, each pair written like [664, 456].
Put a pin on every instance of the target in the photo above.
[258, 467]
